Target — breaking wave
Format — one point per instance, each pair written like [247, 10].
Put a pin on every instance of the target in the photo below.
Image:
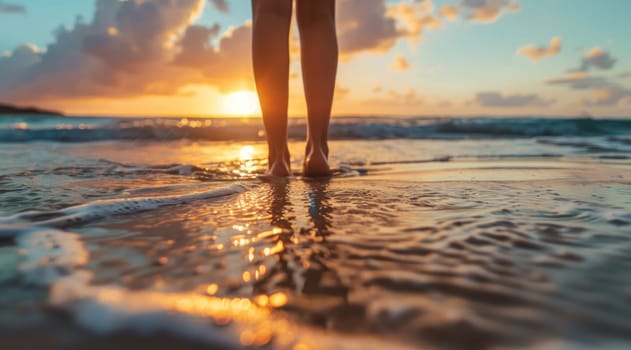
[63, 129]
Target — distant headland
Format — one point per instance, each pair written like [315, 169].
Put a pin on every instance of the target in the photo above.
[11, 109]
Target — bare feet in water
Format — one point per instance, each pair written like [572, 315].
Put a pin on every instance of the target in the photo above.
[279, 166]
[316, 162]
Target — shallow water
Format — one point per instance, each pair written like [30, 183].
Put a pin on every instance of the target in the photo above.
[463, 244]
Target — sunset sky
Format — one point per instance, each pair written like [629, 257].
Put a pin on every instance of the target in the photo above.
[398, 57]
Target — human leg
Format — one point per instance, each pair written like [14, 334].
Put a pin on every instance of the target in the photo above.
[319, 55]
[270, 56]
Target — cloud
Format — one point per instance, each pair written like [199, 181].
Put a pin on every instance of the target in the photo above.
[130, 48]
[23, 57]
[410, 97]
[374, 26]
[495, 99]
[221, 5]
[487, 11]
[341, 91]
[451, 12]
[11, 9]
[578, 80]
[140, 47]
[535, 53]
[400, 64]
[414, 17]
[597, 58]
[607, 96]
[603, 91]
[392, 97]
[363, 26]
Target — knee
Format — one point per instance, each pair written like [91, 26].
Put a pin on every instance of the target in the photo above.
[311, 13]
[280, 8]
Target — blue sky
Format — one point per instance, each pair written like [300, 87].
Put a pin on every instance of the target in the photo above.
[464, 67]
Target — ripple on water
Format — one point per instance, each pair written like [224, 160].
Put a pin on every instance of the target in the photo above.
[444, 264]
[455, 265]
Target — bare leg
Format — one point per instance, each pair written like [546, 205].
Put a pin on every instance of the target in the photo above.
[319, 52]
[270, 54]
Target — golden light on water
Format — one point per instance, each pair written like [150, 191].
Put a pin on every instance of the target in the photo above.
[247, 153]
[277, 300]
[278, 248]
[246, 156]
[212, 289]
[241, 103]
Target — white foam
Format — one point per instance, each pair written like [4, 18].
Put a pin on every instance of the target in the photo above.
[58, 259]
[48, 255]
[23, 222]
[106, 309]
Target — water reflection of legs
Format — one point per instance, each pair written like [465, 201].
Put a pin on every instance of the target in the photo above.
[280, 208]
[319, 278]
[282, 219]
[319, 207]
[304, 267]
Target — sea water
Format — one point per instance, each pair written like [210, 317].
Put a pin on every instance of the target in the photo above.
[434, 233]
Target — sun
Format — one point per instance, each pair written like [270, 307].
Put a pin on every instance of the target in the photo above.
[241, 103]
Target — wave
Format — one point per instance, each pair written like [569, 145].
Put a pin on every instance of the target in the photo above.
[58, 129]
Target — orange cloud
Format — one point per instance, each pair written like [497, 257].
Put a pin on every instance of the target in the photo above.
[535, 53]
[140, 48]
[414, 18]
[487, 11]
[451, 12]
[400, 63]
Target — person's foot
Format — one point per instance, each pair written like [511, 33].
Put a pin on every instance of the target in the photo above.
[323, 144]
[280, 168]
[316, 164]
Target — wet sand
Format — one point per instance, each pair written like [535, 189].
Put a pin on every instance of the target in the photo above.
[465, 254]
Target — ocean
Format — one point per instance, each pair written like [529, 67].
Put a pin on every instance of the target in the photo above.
[433, 233]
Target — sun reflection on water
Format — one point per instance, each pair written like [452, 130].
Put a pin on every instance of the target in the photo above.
[246, 157]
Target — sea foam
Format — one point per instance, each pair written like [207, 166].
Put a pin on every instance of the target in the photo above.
[99, 209]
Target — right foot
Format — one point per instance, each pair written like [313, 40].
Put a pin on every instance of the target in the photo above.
[316, 164]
